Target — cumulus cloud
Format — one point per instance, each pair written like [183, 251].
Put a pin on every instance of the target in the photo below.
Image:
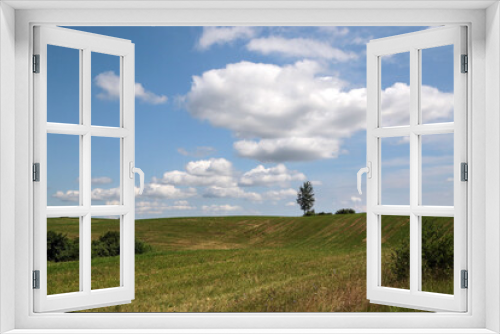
[101, 180]
[435, 105]
[212, 172]
[278, 175]
[290, 204]
[298, 48]
[231, 192]
[277, 195]
[198, 152]
[167, 191]
[109, 82]
[157, 207]
[355, 199]
[220, 208]
[68, 196]
[223, 35]
[296, 114]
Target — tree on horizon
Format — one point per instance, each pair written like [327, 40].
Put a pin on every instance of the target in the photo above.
[305, 197]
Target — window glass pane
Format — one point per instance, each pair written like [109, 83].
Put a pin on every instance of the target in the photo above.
[63, 85]
[395, 169]
[396, 251]
[63, 255]
[106, 247]
[105, 90]
[395, 94]
[436, 94]
[105, 171]
[437, 254]
[437, 169]
[63, 169]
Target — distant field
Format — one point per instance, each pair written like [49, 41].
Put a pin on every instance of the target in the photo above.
[242, 264]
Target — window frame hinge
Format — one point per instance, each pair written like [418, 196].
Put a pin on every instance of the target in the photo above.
[464, 172]
[36, 63]
[36, 279]
[464, 279]
[36, 172]
[464, 64]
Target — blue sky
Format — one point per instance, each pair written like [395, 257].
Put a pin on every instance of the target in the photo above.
[231, 120]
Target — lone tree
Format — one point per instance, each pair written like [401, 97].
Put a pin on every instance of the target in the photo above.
[305, 197]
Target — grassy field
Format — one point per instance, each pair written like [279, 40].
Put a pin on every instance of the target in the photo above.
[244, 264]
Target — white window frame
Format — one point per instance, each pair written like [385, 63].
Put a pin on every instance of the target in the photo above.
[483, 314]
[414, 43]
[86, 44]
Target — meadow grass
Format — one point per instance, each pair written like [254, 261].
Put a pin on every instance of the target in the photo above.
[240, 264]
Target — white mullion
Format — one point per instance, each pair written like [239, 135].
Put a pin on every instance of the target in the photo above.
[104, 131]
[109, 210]
[414, 171]
[67, 129]
[434, 129]
[395, 131]
[392, 210]
[86, 189]
[66, 211]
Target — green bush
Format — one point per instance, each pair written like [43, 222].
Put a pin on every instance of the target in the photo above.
[437, 252]
[60, 248]
[345, 211]
[309, 213]
[141, 247]
[107, 245]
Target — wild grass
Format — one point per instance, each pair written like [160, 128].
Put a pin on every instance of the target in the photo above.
[238, 264]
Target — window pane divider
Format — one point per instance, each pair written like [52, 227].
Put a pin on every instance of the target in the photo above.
[78, 129]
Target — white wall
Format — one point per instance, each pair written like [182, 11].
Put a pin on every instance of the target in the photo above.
[7, 161]
[492, 163]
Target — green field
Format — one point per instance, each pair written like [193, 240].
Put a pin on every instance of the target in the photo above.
[245, 264]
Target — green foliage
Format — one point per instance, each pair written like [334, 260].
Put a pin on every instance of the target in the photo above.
[305, 197]
[437, 251]
[60, 248]
[141, 247]
[107, 245]
[324, 214]
[345, 211]
[310, 213]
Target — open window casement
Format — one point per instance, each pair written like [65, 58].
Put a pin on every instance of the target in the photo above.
[82, 210]
[414, 133]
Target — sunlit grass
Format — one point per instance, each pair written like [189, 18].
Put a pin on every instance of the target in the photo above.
[241, 264]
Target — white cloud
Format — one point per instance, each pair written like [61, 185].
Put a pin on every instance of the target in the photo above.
[157, 207]
[231, 192]
[291, 204]
[316, 183]
[202, 173]
[299, 47]
[97, 194]
[277, 195]
[68, 196]
[220, 208]
[198, 152]
[223, 35]
[101, 180]
[296, 113]
[149, 97]
[167, 191]
[109, 82]
[261, 176]
[288, 149]
[355, 199]
[435, 105]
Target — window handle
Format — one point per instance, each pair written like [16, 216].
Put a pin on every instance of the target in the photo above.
[139, 171]
[368, 171]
